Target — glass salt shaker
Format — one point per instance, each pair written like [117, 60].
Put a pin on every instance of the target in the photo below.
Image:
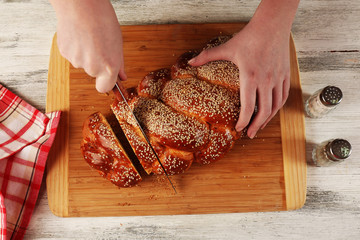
[323, 101]
[331, 152]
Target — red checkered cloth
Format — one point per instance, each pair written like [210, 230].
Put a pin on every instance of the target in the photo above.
[26, 136]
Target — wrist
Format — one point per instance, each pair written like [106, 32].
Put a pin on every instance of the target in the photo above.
[82, 10]
[275, 15]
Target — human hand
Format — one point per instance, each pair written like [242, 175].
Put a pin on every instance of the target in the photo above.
[263, 62]
[261, 52]
[89, 36]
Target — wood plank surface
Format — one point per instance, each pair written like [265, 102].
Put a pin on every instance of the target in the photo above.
[264, 174]
[293, 139]
[57, 169]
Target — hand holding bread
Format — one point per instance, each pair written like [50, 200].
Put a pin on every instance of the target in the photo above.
[261, 52]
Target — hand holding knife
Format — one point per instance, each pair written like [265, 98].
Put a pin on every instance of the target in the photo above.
[121, 94]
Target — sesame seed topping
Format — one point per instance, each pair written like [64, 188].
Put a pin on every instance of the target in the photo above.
[152, 84]
[224, 73]
[167, 125]
[104, 153]
[211, 103]
[221, 141]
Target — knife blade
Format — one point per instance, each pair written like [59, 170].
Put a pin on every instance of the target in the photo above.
[142, 131]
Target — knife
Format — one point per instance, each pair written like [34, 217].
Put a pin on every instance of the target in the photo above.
[119, 88]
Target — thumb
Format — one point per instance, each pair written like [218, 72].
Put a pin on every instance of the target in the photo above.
[208, 55]
[122, 74]
[105, 82]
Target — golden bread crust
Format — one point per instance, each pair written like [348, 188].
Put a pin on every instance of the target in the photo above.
[210, 103]
[103, 152]
[166, 146]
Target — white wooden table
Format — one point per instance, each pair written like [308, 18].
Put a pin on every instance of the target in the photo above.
[327, 37]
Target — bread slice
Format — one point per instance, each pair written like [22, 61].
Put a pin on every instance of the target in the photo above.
[103, 152]
[174, 160]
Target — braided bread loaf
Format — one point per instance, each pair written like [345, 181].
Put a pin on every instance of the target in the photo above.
[188, 113]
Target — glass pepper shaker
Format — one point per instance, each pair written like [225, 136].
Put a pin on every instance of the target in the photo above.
[331, 152]
[323, 101]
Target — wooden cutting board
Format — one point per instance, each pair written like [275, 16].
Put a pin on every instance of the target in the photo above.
[267, 173]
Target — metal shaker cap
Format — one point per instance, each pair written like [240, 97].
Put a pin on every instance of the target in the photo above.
[331, 96]
[338, 149]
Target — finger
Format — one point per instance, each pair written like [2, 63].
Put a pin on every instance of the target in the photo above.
[286, 89]
[73, 55]
[91, 67]
[122, 73]
[285, 94]
[247, 100]
[106, 80]
[208, 55]
[75, 64]
[265, 106]
[277, 102]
